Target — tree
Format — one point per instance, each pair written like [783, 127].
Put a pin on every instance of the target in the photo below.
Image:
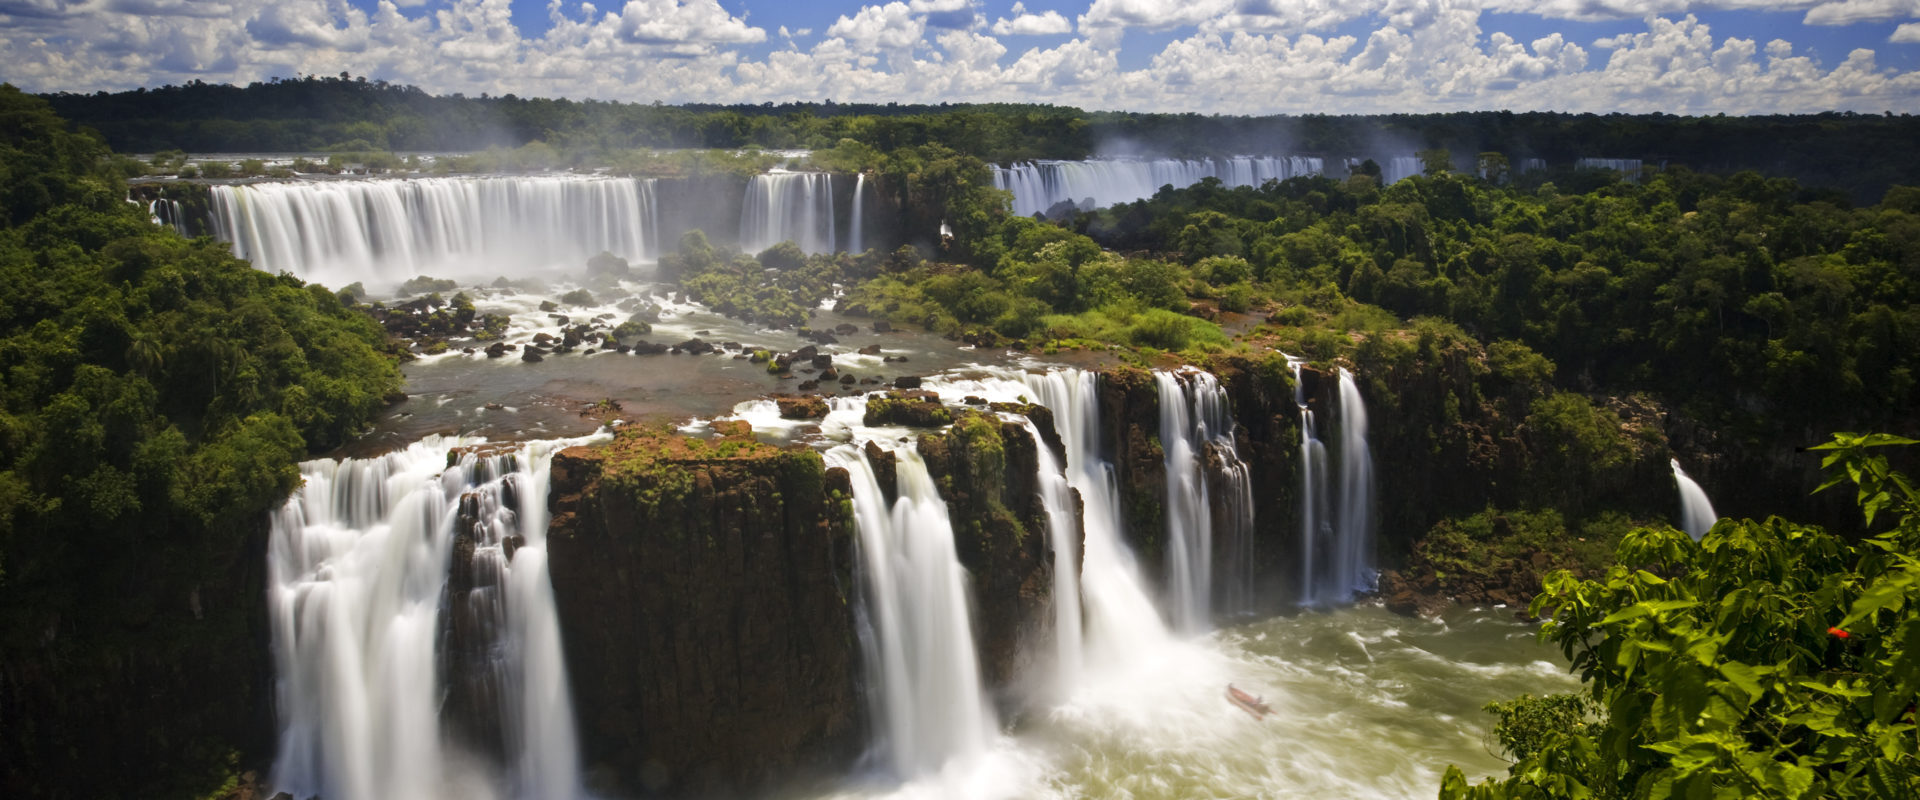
[1769, 659]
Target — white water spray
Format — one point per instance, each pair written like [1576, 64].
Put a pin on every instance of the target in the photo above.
[357, 566]
[1696, 511]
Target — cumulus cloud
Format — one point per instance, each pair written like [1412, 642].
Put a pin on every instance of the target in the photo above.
[674, 22]
[893, 26]
[1230, 56]
[1024, 23]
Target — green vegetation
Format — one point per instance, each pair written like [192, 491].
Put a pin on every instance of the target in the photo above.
[740, 285]
[156, 395]
[1770, 659]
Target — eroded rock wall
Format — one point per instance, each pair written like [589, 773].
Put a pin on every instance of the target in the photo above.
[706, 605]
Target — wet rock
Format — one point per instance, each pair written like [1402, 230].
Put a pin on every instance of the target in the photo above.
[846, 380]
[801, 407]
[498, 349]
[531, 356]
[822, 361]
[809, 385]
[549, 305]
[870, 350]
[907, 382]
[695, 347]
[883, 326]
[911, 408]
[732, 427]
[846, 329]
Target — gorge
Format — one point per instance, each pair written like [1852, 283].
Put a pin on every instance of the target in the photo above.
[745, 483]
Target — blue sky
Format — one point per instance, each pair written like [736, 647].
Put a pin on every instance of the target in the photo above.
[1210, 56]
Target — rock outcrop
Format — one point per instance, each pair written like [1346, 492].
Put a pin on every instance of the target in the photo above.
[705, 594]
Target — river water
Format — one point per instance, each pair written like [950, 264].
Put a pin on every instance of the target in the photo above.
[1366, 704]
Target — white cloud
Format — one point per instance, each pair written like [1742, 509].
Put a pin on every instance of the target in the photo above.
[1848, 12]
[1022, 23]
[674, 22]
[893, 26]
[1228, 56]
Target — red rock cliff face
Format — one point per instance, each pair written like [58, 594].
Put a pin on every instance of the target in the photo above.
[705, 597]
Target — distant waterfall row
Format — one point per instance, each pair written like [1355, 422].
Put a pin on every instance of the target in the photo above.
[382, 231]
[362, 617]
[1038, 186]
[340, 232]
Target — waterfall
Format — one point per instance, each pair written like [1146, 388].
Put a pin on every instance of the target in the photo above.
[382, 231]
[918, 636]
[169, 213]
[1399, 168]
[1629, 168]
[788, 206]
[1336, 539]
[1038, 186]
[1196, 431]
[1696, 511]
[1189, 527]
[358, 566]
[1056, 495]
[856, 232]
[1354, 561]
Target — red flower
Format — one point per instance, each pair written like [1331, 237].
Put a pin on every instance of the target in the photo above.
[1837, 633]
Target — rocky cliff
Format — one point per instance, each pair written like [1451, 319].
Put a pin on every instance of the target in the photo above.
[705, 598]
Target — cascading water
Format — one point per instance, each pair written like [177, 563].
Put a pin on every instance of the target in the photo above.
[1189, 527]
[358, 567]
[383, 231]
[1121, 622]
[1629, 168]
[1354, 560]
[1336, 541]
[1696, 511]
[856, 231]
[1038, 186]
[1196, 431]
[1056, 495]
[169, 213]
[929, 706]
[1398, 168]
[788, 206]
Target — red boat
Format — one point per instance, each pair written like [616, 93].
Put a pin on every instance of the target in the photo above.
[1248, 703]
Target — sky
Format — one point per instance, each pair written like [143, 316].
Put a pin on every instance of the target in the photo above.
[1205, 56]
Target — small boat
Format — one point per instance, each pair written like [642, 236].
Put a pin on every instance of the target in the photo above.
[1248, 703]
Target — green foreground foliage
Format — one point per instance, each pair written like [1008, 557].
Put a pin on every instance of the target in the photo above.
[1769, 659]
[156, 396]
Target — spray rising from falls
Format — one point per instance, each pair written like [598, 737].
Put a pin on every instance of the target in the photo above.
[1696, 511]
[382, 231]
[1336, 511]
[929, 706]
[1038, 186]
[359, 562]
[788, 206]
